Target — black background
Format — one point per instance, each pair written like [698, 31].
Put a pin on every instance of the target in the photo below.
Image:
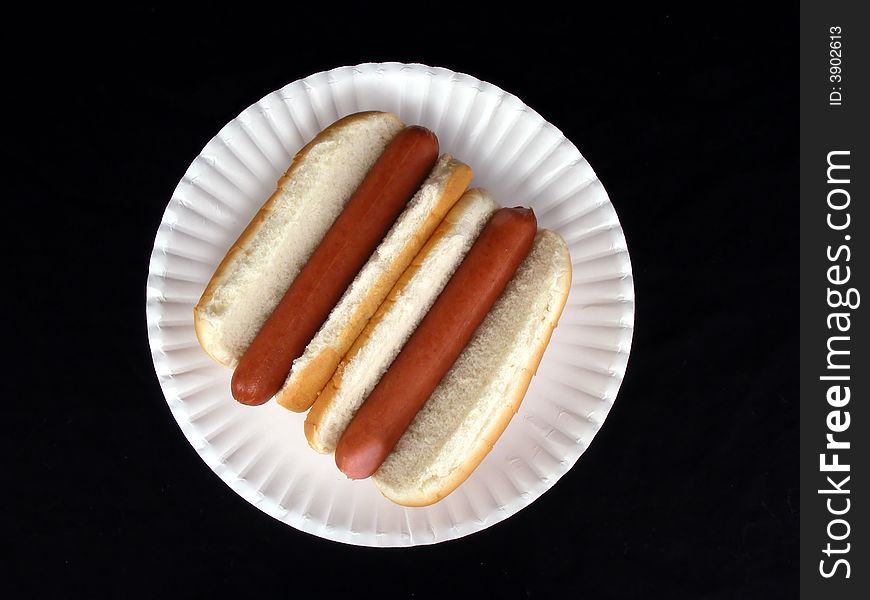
[690, 490]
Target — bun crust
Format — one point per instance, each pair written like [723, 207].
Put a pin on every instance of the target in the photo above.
[313, 370]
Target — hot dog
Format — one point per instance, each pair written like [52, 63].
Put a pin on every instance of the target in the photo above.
[474, 402]
[436, 343]
[369, 213]
[259, 267]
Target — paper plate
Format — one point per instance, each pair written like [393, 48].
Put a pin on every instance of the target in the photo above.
[261, 452]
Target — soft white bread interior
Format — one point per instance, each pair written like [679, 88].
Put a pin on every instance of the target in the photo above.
[475, 401]
[395, 320]
[261, 265]
[310, 372]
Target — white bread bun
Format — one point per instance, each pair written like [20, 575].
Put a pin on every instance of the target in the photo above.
[310, 372]
[259, 268]
[395, 320]
[477, 397]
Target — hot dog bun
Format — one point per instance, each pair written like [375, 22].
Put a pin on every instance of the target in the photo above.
[259, 268]
[476, 399]
[395, 320]
[437, 195]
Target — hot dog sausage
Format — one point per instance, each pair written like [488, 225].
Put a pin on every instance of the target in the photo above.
[368, 215]
[437, 342]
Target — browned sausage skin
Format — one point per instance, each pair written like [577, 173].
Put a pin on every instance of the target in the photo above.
[437, 342]
[368, 215]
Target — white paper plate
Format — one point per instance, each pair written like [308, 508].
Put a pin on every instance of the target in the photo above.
[261, 452]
